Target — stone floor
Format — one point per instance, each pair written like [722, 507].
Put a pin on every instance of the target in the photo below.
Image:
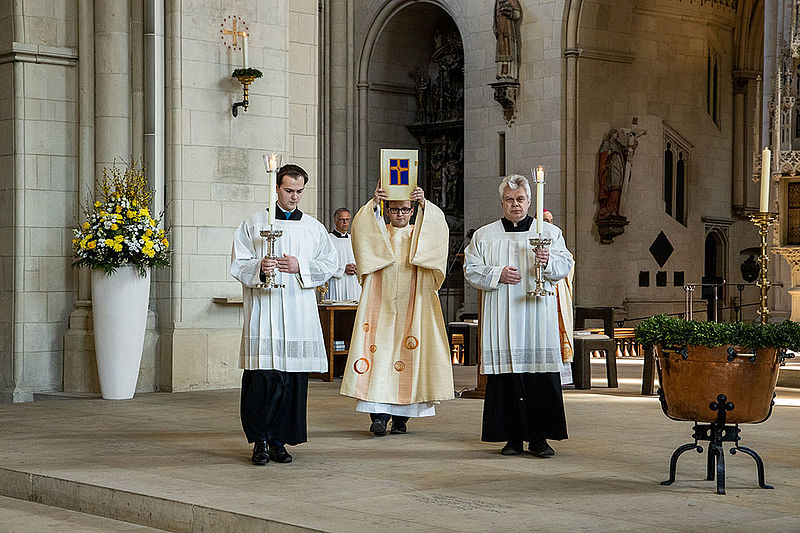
[180, 462]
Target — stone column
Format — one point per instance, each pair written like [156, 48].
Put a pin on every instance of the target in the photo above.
[112, 81]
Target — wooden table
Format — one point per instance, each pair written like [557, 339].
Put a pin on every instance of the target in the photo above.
[337, 324]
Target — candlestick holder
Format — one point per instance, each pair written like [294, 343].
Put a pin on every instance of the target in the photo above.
[271, 235]
[246, 76]
[763, 220]
[539, 243]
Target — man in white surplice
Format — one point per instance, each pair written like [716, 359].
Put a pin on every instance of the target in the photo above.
[282, 337]
[520, 346]
[344, 283]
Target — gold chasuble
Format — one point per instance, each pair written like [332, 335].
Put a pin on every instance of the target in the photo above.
[399, 352]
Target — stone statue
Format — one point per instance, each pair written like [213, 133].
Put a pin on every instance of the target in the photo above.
[507, 19]
[610, 174]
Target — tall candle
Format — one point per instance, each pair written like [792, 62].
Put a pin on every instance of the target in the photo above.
[271, 164]
[539, 199]
[244, 49]
[766, 155]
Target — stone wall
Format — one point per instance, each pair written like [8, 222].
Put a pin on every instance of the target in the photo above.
[39, 131]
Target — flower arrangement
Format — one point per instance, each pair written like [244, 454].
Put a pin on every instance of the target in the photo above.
[246, 72]
[119, 229]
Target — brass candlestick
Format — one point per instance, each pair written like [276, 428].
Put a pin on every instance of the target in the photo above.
[763, 219]
[539, 243]
[271, 235]
[245, 80]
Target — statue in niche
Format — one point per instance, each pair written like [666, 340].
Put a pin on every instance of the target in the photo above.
[610, 174]
[507, 19]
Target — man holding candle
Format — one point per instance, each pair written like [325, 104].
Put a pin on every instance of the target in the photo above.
[282, 338]
[520, 345]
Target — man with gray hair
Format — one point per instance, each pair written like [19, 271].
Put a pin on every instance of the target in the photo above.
[520, 345]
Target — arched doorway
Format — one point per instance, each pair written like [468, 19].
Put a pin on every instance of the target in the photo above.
[415, 99]
[714, 271]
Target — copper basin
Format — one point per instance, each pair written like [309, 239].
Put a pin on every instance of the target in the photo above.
[691, 380]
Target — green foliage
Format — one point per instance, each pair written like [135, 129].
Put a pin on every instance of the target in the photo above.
[667, 331]
[254, 72]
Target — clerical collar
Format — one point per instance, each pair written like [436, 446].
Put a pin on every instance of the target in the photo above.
[280, 214]
[522, 225]
[336, 233]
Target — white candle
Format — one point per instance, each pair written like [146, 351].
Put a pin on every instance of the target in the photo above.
[271, 164]
[766, 155]
[244, 49]
[539, 199]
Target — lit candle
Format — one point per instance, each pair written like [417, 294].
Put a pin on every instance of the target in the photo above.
[766, 155]
[271, 164]
[539, 199]
[244, 49]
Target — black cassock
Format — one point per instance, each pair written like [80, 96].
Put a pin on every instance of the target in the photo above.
[273, 406]
[523, 407]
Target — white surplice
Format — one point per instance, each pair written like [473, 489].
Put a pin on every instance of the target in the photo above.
[343, 286]
[281, 326]
[519, 333]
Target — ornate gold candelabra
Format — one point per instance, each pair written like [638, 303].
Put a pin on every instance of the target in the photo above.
[271, 235]
[539, 243]
[763, 220]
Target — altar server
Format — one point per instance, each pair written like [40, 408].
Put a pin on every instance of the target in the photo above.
[399, 362]
[520, 345]
[344, 283]
[282, 338]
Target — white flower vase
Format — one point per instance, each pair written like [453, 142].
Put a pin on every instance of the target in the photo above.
[119, 309]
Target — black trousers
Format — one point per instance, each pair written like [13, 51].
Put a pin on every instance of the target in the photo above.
[523, 407]
[273, 405]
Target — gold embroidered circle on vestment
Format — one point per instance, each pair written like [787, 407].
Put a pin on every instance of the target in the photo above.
[373, 349]
[567, 350]
[399, 366]
[365, 327]
[411, 342]
[361, 365]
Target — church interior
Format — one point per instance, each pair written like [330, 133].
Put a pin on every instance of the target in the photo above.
[666, 131]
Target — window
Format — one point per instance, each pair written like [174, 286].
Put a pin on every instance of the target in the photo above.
[676, 167]
[793, 236]
[712, 87]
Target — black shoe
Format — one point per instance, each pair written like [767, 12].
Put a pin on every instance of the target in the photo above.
[279, 454]
[540, 448]
[260, 455]
[399, 425]
[378, 426]
[512, 447]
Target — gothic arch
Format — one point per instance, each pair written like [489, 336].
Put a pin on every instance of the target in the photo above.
[379, 22]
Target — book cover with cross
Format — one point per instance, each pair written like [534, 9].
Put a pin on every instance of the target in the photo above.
[399, 173]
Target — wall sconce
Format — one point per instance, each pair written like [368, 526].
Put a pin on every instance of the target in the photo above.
[246, 76]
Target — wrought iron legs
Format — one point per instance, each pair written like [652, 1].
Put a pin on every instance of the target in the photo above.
[716, 433]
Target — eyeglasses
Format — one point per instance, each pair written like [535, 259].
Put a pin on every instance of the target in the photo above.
[404, 210]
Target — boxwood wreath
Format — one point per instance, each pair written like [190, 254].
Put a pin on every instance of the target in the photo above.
[667, 331]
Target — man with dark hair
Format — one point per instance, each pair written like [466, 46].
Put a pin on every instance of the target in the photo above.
[344, 283]
[282, 338]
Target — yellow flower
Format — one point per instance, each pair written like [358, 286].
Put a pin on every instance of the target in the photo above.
[131, 214]
[148, 245]
[97, 204]
[114, 227]
[91, 245]
[165, 242]
[117, 247]
[119, 238]
[109, 242]
[144, 212]
[147, 232]
[118, 209]
[85, 225]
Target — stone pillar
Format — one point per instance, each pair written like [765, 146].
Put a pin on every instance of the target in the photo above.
[112, 81]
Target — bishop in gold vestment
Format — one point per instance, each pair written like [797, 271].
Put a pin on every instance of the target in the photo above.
[399, 360]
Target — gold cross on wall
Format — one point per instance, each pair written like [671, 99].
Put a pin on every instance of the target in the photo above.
[233, 32]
